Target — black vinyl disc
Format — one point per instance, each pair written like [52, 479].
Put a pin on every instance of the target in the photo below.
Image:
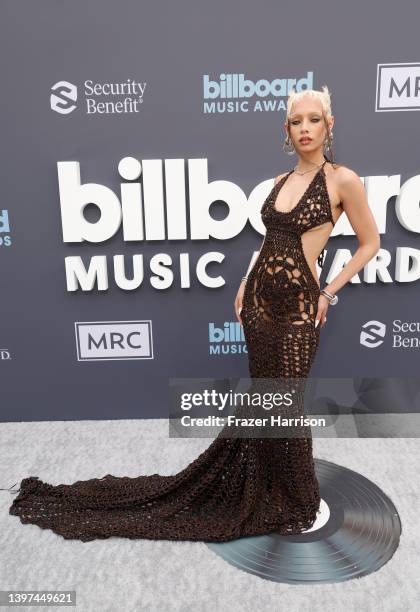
[357, 531]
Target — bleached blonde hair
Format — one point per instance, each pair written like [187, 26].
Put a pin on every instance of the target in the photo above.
[324, 96]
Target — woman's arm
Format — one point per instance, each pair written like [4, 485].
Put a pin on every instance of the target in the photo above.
[353, 198]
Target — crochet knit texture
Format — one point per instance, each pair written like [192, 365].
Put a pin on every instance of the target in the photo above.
[239, 486]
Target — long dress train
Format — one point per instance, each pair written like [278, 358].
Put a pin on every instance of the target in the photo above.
[237, 486]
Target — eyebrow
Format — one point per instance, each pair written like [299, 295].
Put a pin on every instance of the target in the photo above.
[299, 115]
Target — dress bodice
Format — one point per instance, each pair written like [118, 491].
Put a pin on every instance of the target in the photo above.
[313, 208]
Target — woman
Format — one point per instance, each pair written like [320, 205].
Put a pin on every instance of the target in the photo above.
[239, 486]
[280, 304]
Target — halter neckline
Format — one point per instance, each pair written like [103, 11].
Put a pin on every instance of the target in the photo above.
[280, 185]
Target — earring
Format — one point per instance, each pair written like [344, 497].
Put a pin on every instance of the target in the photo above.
[330, 138]
[288, 143]
[328, 144]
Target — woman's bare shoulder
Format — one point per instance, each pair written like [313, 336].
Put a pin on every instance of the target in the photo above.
[347, 184]
[343, 173]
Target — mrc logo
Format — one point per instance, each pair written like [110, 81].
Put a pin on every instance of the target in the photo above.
[113, 340]
[398, 87]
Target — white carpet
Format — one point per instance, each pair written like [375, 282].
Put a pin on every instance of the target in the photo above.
[135, 575]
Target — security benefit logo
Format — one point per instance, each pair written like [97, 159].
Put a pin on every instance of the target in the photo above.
[111, 340]
[405, 334]
[398, 87]
[63, 97]
[372, 334]
[98, 98]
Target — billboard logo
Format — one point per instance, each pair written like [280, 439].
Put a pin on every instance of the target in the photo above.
[63, 96]
[398, 87]
[229, 340]
[114, 340]
[372, 334]
[232, 92]
[5, 240]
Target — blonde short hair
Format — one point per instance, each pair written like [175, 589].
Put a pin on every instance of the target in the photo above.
[324, 97]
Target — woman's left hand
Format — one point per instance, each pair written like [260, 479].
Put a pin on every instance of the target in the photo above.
[321, 315]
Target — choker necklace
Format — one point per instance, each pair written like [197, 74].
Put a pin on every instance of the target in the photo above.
[306, 171]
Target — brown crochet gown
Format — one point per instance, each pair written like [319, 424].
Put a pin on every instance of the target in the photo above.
[237, 486]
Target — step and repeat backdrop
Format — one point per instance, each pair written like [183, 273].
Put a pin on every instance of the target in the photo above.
[139, 141]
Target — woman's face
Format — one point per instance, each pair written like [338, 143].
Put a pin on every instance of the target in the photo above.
[307, 122]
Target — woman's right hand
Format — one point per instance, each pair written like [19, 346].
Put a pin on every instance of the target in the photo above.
[239, 301]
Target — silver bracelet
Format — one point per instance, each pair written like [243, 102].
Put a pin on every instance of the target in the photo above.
[244, 278]
[333, 299]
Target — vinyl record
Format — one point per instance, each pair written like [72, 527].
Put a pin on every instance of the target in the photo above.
[356, 532]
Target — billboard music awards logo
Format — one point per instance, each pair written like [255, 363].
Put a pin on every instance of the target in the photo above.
[398, 87]
[405, 334]
[229, 340]
[161, 200]
[5, 354]
[98, 98]
[235, 93]
[5, 238]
